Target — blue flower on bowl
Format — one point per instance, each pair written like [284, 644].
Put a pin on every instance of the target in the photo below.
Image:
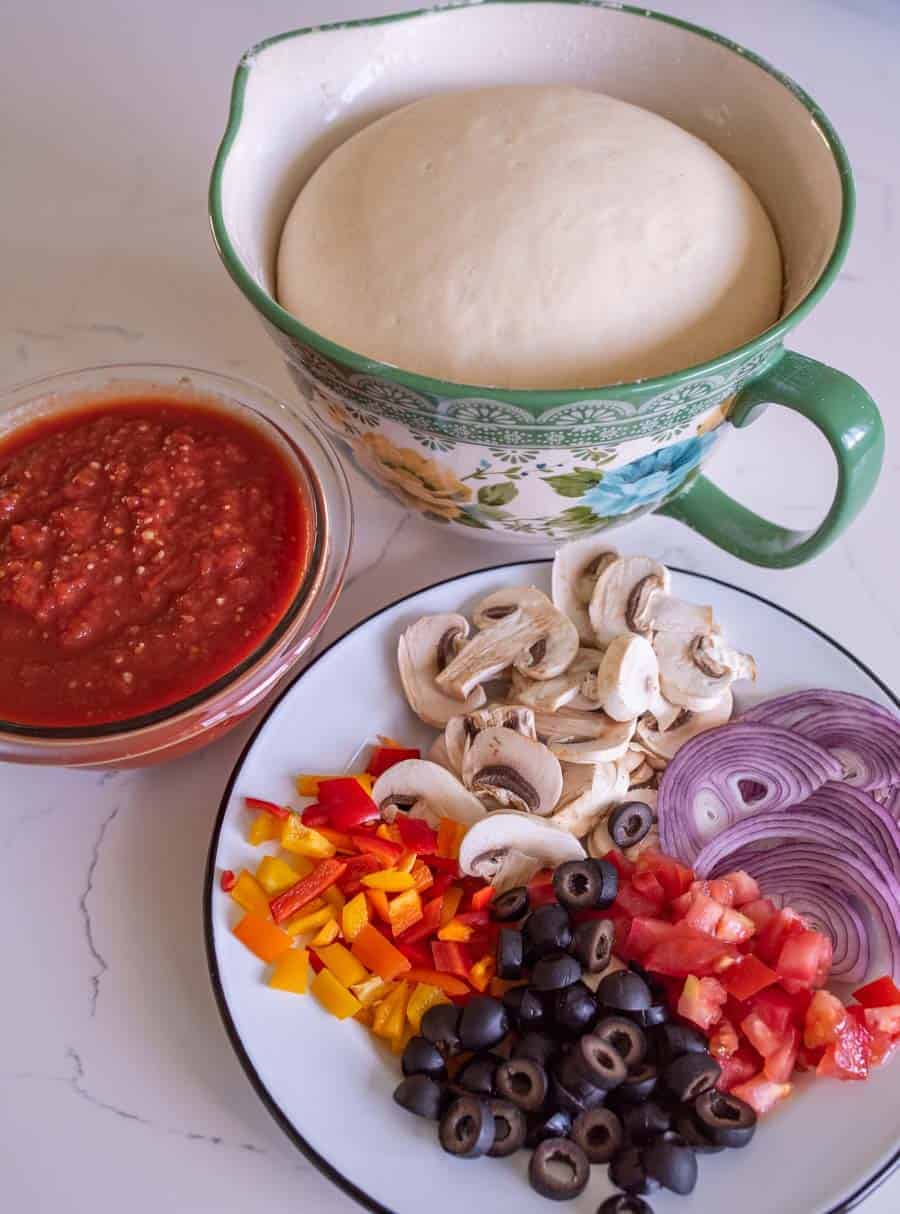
[649, 479]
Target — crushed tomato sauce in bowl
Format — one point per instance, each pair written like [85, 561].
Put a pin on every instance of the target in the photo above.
[166, 539]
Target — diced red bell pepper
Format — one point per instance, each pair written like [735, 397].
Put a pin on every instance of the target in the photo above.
[416, 835]
[779, 1065]
[427, 925]
[687, 951]
[451, 957]
[771, 936]
[315, 815]
[384, 850]
[268, 807]
[348, 804]
[776, 1008]
[357, 867]
[481, 898]
[745, 887]
[649, 886]
[324, 875]
[474, 918]
[441, 884]
[748, 977]
[737, 1068]
[385, 757]
[761, 910]
[883, 992]
[849, 1057]
[228, 880]
[444, 864]
[416, 954]
[761, 1093]
[315, 961]
[804, 960]
[672, 876]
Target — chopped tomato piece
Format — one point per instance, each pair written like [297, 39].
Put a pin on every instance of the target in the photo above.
[672, 876]
[763, 1038]
[772, 935]
[641, 935]
[701, 1001]
[734, 926]
[883, 1048]
[624, 866]
[649, 886]
[703, 913]
[724, 1040]
[745, 887]
[416, 835]
[384, 757]
[883, 1020]
[776, 1008]
[883, 992]
[682, 904]
[633, 902]
[687, 951]
[804, 960]
[722, 891]
[761, 1093]
[761, 910]
[748, 977]
[850, 1055]
[808, 1059]
[825, 1018]
[737, 1067]
[779, 1065]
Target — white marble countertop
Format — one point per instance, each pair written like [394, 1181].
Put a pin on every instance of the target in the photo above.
[117, 1085]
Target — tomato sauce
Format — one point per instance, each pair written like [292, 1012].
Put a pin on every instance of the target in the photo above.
[146, 549]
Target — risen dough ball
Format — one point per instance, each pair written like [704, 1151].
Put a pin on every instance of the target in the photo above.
[530, 237]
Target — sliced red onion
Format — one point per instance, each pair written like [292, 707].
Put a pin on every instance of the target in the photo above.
[890, 799]
[728, 774]
[864, 736]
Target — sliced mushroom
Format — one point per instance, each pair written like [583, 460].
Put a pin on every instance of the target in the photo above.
[576, 568]
[513, 770]
[687, 725]
[584, 737]
[644, 774]
[489, 850]
[520, 627]
[589, 792]
[427, 791]
[438, 754]
[551, 694]
[514, 868]
[424, 650]
[632, 595]
[600, 841]
[627, 681]
[650, 842]
[462, 731]
[695, 671]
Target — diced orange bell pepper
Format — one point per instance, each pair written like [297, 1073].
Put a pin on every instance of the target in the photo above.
[455, 930]
[390, 1015]
[453, 896]
[448, 983]
[423, 997]
[391, 881]
[339, 840]
[389, 832]
[262, 937]
[482, 972]
[372, 990]
[312, 886]
[422, 876]
[378, 954]
[250, 895]
[354, 916]
[405, 911]
[310, 919]
[481, 898]
[304, 841]
[291, 972]
[335, 998]
[263, 829]
[406, 863]
[343, 964]
[308, 786]
[327, 933]
[275, 876]
[450, 835]
[378, 900]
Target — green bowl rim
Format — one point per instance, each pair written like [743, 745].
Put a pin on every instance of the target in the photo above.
[535, 399]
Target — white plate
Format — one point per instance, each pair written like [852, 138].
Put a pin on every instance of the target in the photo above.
[329, 1085]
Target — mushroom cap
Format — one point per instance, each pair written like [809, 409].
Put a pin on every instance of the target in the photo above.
[461, 731]
[608, 607]
[685, 663]
[557, 641]
[666, 743]
[584, 737]
[508, 832]
[514, 770]
[627, 681]
[576, 567]
[420, 655]
[434, 791]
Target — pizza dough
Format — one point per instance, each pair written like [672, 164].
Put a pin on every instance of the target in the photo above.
[530, 237]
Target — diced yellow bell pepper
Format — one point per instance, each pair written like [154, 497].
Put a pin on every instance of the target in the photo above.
[355, 916]
[334, 997]
[422, 998]
[378, 900]
[343, 964]
[450, 835]
[275, 875]
[263, 829]
[308, 786]
[262, 937]
[402, 1039]
[365, 1016]
[309, 920]
[387, 830]
[291, 972]
[453, 895]
[250, 895]
[304, 841]
[456, 931]
[372, 990]
[406, 862]
[390, 881]
[405, 911]
[390, 1014]
[327, 933]
[482, 972]
[334, 897]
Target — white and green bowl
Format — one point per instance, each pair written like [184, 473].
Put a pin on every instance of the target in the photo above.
[546, 464]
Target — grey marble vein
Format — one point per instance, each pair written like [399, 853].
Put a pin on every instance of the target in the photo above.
[101, 965]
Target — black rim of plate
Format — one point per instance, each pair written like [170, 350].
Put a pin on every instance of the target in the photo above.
[324, 1166]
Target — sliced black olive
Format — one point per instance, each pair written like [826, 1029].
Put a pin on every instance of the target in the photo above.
[559, 1169]
[547, 930]
[512, 905]
[595, 1059]
[510, 1128]
[554, 971]
[642, 1122]
[657, 989]
[420, 1095]
[574, 1009]
[627, 1171]
[574, 1099]
[524, 1082]
[686, 1077]
[467, 1128]
[555, 1124]
[686, 1126]
[629, 823]
[440, 1026]
[624, 991]
[510, 953]
[584, 884]
[624, 1203]
[483, 1023]
[537, 1046]
[599, 1134]
[726, 1120]
[479, 1074]
[593, 943]
[638, 1084]
[627, 1038]
[421, 1057]
[650, 1017]
[673, 1040]
[525, 1007]
[672, 1162]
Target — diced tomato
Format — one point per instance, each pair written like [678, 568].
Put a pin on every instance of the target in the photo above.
[883, 992]
[825, 1017]
[630, 900]
[384, 850]
[883, 1020]
[416, 835]
[701, 1001]
[763, 1038]
[642, 934]
[804, 960]
[348, 804]
[734, 926]
[682, 904]
[745, 887]
[779, 1065]
[451, 957]
[687, 951]
[315, 815]
[672, 876]
[624, 866]
[540, 889]
[849, 1057]
[772, 935]
[761, 1093]
[776, 1008]
[703, 913]
[385, 757]
[761, 910]
[883, 1048]
[748, 977]
[808, 1059]
[722, 891]
[649, 886]
[723, 1041]
[737, 1068]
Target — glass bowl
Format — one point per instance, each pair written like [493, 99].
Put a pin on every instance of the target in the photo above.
[206, 715]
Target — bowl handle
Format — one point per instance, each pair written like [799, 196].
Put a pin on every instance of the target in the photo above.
[849, 419]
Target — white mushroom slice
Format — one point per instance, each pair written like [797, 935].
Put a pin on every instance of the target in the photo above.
[462, 731]
[584, 737]
[632, 759]
[649, 842]
[428, 791]
[647, 796]
[687, 725]
[642, 775]
[631, 595]
[589, 792]
[423, 651]
[600, 841]
[514, 868]
[695, 671]
[438, 754]
[576, 568]
[665, 712]
[485, 847]
[514, 770]
[551, 694]
[627, 680]
[520, 627]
